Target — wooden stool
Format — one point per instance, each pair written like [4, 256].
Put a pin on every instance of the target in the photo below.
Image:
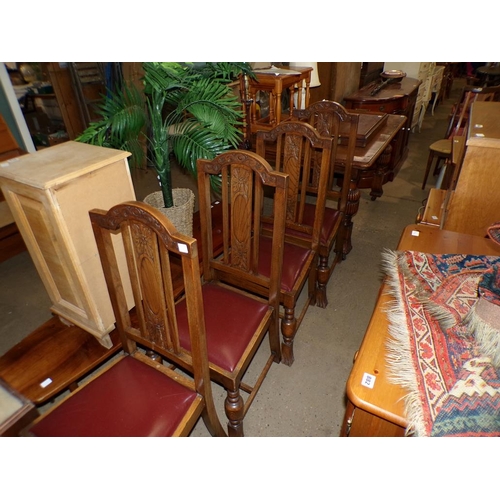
[440, 149]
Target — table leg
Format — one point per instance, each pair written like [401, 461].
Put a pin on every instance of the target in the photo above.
[352, 208]
[380, 172]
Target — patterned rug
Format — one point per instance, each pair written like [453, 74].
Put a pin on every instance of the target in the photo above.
[453, 389]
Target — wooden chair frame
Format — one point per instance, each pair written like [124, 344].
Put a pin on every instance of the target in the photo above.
[244, 176]
[150, 241]
[331, 119]
[297, 149]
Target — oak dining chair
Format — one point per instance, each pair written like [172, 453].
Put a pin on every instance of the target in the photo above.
[241, 283]
[331, 119]
[135, 395]
[297, 149]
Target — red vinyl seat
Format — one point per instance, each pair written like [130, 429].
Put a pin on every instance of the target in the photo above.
[130, 399]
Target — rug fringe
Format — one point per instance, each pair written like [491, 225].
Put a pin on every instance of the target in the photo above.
[445, 319]
[487, 336]
[400, 367]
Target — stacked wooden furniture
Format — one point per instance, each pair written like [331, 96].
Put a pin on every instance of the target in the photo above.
[471, 202]
[375, 405]
[433, 211]
[457, 125]
[475, 204]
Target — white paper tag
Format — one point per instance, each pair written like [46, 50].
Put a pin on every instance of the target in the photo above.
[415, 233]
[368, 380]
[46, 382]
[7, 163]
[182, 248]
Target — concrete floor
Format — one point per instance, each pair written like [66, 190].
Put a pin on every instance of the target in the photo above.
[307, 399]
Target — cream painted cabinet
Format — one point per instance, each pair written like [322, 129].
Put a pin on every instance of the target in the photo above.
[50, 193]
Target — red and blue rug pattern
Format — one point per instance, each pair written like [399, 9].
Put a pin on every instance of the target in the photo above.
[452, 389]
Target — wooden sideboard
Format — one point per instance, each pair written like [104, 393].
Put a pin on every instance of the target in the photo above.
[422, 71]
[397, 98]
[50, 193]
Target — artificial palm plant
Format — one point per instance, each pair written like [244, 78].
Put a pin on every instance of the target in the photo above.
[190, 110]
[123, 120]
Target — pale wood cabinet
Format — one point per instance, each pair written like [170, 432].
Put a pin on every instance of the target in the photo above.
[50, 193]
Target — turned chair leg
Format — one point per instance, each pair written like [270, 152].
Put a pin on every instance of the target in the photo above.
[234, 408]
[288, 327]
[323, 272]
[428, 168]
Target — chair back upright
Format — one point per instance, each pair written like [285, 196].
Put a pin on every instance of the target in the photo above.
[150, 243]
[331, 119]
[296, 148]
[245, 180]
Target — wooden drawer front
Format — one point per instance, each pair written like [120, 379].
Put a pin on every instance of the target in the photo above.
[360, 423]
[392, 107]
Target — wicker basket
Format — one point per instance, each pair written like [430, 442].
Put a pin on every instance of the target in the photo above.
[181, 214]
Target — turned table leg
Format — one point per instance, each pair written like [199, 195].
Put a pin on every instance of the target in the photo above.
[380, 173]
[352, 208]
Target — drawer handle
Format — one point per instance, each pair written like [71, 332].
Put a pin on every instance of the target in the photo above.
[381, 108]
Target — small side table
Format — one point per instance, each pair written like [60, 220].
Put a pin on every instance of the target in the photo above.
[489, 76]
[276, 83]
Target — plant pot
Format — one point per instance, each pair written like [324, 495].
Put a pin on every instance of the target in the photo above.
[181, 214]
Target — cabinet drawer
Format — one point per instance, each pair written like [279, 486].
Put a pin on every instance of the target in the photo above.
[392, 107]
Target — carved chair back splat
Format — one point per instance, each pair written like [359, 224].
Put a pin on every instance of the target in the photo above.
[135, 395]
[247, 307]
[331, 119]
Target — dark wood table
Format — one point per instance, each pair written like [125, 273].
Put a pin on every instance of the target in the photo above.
[398, 98]
[379, 411]
[373, 164]
[488, 75]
